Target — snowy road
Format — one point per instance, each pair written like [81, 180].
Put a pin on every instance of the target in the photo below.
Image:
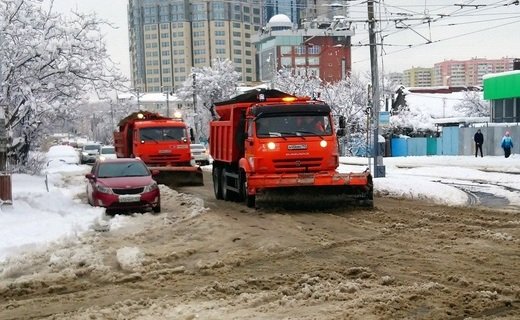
[490, 182]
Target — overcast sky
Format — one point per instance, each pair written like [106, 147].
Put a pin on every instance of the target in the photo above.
[480, 28]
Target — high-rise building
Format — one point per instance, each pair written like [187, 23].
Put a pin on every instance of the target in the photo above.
[169, 37]
[290, 8]
[323, 9]
[418, 77]
[468, 72]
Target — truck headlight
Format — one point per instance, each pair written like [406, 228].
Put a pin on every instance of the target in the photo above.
[323, 143]
[271, 145]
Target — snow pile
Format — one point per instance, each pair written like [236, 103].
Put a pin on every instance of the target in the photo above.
[130, 258]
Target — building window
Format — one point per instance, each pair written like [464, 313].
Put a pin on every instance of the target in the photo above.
[286, 61]
[237, 51]
[315, 50]
[285, 50]
[237, 34]
[300, 61]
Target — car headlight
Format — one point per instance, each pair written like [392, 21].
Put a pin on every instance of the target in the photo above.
[152, 186]
[103, 189]
[84, 154]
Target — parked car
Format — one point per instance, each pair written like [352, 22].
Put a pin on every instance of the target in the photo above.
[123, 184]
[107, 152]
[61, 154]
[199, 154]
[89, 152]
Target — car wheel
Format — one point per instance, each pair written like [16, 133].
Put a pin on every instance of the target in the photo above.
[157, 208]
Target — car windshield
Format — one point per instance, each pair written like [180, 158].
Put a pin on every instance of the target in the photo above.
[162, 133]
[108, 150]
[122, 169]
[92, 147]
[293, 125]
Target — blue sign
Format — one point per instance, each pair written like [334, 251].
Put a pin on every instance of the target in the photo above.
[384, 117]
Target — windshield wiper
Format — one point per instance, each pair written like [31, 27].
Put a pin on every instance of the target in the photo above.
[309, 133]
[148, 138]
[278, 134]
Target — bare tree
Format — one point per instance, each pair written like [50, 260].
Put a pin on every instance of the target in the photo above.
[473, 105]
[210, 85]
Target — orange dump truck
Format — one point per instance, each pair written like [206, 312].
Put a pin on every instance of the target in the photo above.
[162, 143]
[267, 141]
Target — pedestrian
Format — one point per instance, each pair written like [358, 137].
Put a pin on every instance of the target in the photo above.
[507, 144]
[479, 140]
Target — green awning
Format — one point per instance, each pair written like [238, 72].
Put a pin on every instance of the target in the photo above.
[502, 86]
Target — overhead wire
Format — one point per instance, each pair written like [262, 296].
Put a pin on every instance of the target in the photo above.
[492, 6]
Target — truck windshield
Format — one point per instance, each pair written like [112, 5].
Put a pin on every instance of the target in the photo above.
[162, 134]
[293, 125]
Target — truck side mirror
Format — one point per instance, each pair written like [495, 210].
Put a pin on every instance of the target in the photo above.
[341, 132]
[342, 122]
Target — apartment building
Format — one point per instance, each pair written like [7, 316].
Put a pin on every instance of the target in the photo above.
[418, 77]
[468, 72]
[320, 49]
[169, 37]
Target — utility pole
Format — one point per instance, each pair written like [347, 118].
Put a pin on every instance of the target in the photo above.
[379, 168]
[167, 94]
[195, 116]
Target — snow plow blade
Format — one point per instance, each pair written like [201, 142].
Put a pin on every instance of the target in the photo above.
[316, 191]
[178, 176]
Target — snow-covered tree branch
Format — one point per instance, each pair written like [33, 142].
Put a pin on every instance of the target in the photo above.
[49, 63]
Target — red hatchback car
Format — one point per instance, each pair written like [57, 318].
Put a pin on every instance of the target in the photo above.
[122, 184]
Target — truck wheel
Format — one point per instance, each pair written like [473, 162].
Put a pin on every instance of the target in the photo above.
[242, 190]
[251, 201]
[223, 185]
[217, 187]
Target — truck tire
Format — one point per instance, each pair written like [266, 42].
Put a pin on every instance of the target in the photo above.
[251, 201]
[217, 187]
[226, 194]
[242, 190]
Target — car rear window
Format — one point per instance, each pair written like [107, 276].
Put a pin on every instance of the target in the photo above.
[92, 147]
[108, 150]
[122, 169]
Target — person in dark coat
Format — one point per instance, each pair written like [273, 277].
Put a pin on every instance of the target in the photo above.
[479, 140]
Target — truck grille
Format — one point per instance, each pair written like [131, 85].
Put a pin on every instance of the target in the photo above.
[163, 159]
[297, 165]
[128, 191]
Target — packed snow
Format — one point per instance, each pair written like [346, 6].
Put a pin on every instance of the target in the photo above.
[52, 208]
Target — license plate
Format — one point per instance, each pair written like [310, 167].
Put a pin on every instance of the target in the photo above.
[130, 198]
